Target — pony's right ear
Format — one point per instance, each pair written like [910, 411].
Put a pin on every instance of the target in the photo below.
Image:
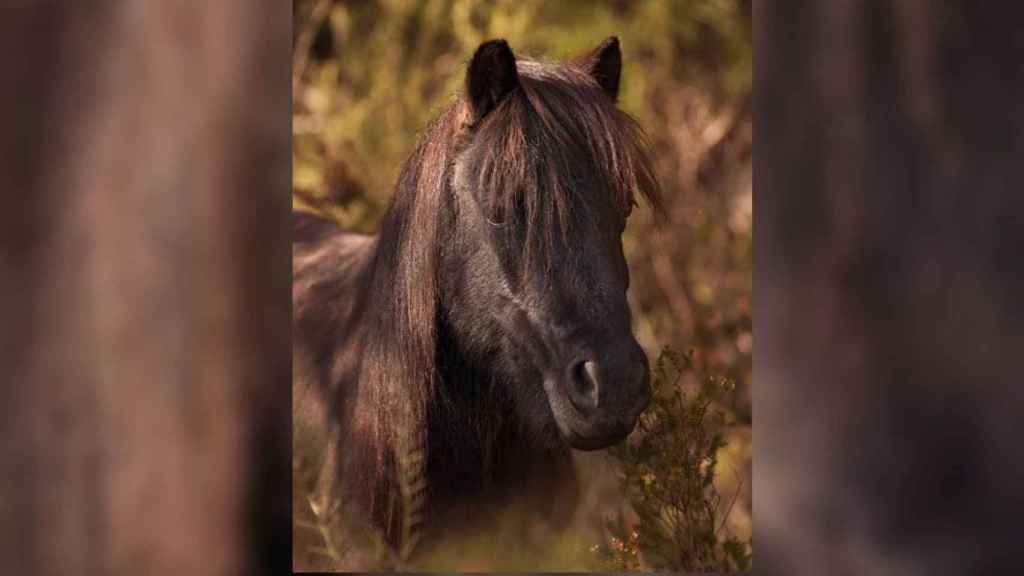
[604, 64]
[491, 76]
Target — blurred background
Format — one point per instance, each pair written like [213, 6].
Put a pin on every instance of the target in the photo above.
[367, 76]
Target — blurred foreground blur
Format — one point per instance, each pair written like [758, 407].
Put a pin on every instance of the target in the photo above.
[144, 279]
[889, 281]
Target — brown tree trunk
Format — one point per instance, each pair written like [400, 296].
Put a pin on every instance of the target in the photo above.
[144, 274]
[888, 283]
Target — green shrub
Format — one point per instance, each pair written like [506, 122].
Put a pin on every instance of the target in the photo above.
[668, 472]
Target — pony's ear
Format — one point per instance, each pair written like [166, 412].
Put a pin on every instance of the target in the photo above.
[604, 64]
[491, 76]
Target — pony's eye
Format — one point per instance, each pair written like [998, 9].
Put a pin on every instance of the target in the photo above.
[626, 212]
[495, 216]
[493, 209]
[499, 211]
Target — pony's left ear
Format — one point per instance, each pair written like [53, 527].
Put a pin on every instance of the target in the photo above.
[604, 64]
[491, 76]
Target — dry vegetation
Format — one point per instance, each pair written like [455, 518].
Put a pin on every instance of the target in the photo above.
[367, 78]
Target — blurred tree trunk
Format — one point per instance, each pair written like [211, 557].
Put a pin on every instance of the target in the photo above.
[145, 277]
[890, 140]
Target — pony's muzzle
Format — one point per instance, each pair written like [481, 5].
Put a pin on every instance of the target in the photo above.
[606, 395]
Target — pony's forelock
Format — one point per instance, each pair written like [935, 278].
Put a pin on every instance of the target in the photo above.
[555, 131]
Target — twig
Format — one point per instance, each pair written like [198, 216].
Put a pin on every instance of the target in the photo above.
[673, 290]
[735, 143]
[735, 497]
[325, 532]
[304, 42]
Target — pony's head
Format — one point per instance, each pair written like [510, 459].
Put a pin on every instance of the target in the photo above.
[533, 278]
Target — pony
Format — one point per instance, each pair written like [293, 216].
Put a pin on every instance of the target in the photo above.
[484, 333]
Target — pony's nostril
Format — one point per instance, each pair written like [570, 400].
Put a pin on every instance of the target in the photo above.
[590, 370]
[585, 388]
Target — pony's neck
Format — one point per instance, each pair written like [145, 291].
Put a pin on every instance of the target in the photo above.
[479, 449]
[477, 440]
